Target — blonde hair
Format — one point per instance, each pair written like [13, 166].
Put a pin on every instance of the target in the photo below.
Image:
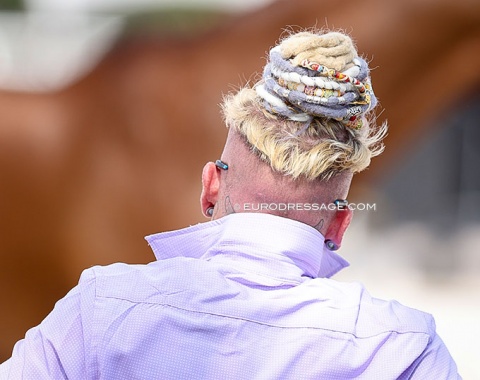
[321, 147]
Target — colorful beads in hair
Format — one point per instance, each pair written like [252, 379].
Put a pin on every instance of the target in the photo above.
[311, 89]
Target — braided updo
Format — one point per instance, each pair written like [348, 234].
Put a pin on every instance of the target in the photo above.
[308, 116]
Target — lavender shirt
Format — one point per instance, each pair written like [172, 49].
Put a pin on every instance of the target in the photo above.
[243, 297]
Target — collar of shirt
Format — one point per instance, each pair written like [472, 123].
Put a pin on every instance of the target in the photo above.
[253, 234]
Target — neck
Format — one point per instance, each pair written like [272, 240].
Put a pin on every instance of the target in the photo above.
[250, 185]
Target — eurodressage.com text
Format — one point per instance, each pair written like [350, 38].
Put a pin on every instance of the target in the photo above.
[306, 207]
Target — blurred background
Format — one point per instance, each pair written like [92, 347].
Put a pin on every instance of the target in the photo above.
[109, 110]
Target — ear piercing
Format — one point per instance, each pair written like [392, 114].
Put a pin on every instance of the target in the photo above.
[221, 165]
[340, 203]
[331, 245]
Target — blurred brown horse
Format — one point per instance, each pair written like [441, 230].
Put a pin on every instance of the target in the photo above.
[87, 172]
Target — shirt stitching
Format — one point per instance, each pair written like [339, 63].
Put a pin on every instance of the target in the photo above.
[267, 324]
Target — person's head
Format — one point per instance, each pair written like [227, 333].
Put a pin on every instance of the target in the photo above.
[298, 136]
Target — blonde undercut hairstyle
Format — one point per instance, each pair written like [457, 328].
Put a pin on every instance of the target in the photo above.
[302, 142]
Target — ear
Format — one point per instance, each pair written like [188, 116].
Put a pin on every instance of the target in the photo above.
[339, 224]
[210, 186]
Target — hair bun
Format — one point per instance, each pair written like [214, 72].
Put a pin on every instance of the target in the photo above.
[317, 75]
[334, 50]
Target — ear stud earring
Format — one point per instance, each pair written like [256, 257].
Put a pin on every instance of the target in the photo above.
[331, 245]
[340, 203]
[221, 165]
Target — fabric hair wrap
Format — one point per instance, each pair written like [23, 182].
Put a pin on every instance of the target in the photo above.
[300, 87]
